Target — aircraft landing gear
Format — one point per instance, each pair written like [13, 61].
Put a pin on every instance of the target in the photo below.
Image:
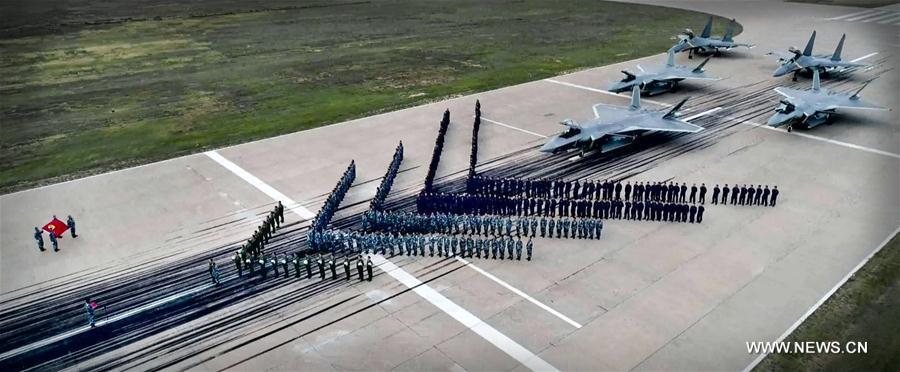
[790, 128]
[690, 54]
[795, 76]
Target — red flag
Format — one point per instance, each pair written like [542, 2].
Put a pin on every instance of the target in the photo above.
[56, 227]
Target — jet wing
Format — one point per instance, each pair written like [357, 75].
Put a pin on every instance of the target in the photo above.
[683, 74]
[661, 125]
[844, 102]
[609, 113]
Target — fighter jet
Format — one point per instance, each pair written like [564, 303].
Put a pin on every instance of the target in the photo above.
[810, 108]
[661, 79]
[617, 126]
[705, 43]
[795, 61]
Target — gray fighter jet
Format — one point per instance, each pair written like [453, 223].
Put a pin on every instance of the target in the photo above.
[705, 43]
[617, 126]
[660, 79]
[797, 61]
[810, 108]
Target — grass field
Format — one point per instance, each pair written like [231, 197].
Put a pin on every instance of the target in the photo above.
[866, 308]
[90, 86]
[859, 3]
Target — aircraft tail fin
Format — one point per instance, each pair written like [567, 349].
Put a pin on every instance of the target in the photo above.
[699, 68]
[856, 94]
[729, 32]
[837, 51]
[673, 113]
[670, 58]
[809, 45]
[635, 98]
[817, 85]
[708, 29]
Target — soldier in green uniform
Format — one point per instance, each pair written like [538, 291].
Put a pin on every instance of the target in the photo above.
[359, 267]
[273, 261]
[369, 267]
[296, 261]
[308, 267]
[284, 264]
[333, 267]
[347, 268]
[238, 263]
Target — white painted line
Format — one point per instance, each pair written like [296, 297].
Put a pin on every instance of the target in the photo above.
[101, 319]
[604, 92]
[501, 341]
[881, 17]
[469, 320]
[704, 113]
[795, 133]
[512, 127]
[824, 298]
[889, 20]
[864, 57]
[850, 15]
[304, 213]
[876, 13]
[520, 293]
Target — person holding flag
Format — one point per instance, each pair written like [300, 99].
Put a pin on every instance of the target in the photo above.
[39, 236]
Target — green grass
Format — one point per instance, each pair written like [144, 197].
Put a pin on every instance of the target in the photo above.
[179, 78]
[866, 308]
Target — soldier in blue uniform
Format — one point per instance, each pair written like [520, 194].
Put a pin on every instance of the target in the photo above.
[39, 238]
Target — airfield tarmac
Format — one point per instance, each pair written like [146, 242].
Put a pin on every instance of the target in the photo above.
[647, 296]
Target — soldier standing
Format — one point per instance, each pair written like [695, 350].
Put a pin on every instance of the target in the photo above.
[39, 237]
[715, 197]
[528, 247]
[683, 192]
[237, 263]
[273, 260]
[700, 211]
[284, 264]
[213, 271]
[70, 223]
[702, 193]
[765, 196]
[771, 203]
[750, 195]
[693, 212]
[347, 268]
[693, 193]
[735, 193]
[321, 265]
[89, 309]
[369, 267]
[308, 267]
[759, 191]
[296, 261]
[725, 195]
[359, 267]
[55, 243]
[333, 267]
[519, 249]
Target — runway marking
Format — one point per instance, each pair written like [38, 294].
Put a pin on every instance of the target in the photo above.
[881, 17]
[747, 122]
[897, 18]
[864, 57]
[501, 341]
[490, 334]
[877, 13]
[704, 113]
[850, 15]
[512, 127]
[520, 293]
[101, 322]
[824, 298]
[301, 211]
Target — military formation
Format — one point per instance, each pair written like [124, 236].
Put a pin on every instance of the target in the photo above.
[341, 242]
[323, 217]
[438, 148]
[486, 225]
[255, 246]
[320, 266]
[385, 186]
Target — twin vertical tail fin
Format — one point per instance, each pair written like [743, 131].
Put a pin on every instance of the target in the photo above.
[817, 85]
[673, 113]
[670, 59]
[809, 45]
[699, 68]
[729, 32]
[856, 95]
[837, 51]
[635, 98]
[708, 29]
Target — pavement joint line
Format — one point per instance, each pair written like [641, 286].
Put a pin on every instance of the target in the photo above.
[824, 298]
[704, 113]
[519, 292]
[469, 320]
[512, 127]
[747, 122]
[883, 16]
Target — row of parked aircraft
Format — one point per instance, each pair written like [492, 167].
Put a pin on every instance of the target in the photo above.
[617, 126]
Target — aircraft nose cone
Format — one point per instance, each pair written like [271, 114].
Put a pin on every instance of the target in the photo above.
[777, 120]
[781, 71]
